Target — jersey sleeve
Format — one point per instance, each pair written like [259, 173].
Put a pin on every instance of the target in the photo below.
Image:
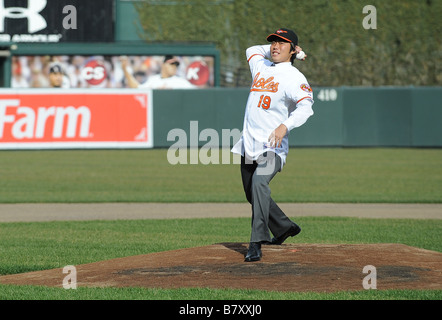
[258, 56]
[302, 96]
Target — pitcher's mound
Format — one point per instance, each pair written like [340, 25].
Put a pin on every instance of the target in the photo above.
[290, 267]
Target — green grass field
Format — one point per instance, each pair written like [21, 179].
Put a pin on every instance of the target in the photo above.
[311, 175]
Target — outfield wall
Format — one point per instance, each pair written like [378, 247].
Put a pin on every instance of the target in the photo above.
[344, 116]
[132, 118]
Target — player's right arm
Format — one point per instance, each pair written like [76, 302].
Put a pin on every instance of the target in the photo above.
[131, 81]
[258, 56]
[259, 52]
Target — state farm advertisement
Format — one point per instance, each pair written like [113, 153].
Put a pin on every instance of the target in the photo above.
[65, 119]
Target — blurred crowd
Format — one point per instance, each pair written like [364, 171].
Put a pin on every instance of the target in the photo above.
[75, 71]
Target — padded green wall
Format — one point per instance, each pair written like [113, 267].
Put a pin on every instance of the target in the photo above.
[344, 116]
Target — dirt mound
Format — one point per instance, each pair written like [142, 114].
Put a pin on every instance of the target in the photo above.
[290, 267]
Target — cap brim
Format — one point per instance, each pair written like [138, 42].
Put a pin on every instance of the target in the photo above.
[173, 61]
[55, 70]
[273, 35]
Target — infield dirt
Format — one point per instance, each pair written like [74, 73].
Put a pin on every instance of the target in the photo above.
[289, 267]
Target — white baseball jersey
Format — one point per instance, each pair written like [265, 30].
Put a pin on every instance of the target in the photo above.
[280, 94]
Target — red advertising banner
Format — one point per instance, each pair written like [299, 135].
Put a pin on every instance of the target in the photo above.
[57, 118]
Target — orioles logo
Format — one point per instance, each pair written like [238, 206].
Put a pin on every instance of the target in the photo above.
[264, 85]
[306, 88]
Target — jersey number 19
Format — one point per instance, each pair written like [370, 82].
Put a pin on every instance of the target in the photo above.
[264, 102]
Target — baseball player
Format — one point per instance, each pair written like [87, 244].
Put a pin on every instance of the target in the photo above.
[167, 79]
[280, 100]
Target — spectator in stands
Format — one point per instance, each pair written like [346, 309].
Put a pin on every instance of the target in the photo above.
[57, 77]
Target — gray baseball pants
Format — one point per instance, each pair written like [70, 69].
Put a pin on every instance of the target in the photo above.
[256, 176]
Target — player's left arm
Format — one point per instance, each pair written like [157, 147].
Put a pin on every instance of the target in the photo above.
[296, 118]
[299, 116]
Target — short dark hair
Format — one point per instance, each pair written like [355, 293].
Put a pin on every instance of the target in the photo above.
[293, 57]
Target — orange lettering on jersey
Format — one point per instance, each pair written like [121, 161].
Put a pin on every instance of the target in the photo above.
[264, 85]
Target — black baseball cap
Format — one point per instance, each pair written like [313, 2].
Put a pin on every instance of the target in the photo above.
[172, 60]
[56, 68]
[284, 34]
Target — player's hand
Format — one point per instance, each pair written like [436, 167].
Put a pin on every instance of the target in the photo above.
[298, 49]
[277, 135]
[124, 62]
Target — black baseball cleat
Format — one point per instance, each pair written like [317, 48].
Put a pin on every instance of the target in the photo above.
[254, 253]
[293, 231]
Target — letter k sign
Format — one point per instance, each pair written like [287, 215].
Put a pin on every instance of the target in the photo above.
[35, 21]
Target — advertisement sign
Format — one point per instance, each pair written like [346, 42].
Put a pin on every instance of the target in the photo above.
[95, 71]
[53, 119]
[53, 21]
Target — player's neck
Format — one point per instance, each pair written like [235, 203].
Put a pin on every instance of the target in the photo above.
[282, 63]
